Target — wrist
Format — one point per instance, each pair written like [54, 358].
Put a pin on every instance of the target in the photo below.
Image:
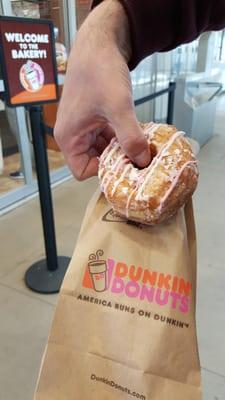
[108, 26]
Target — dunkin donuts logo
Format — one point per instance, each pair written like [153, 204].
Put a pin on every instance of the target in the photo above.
[138, 282]
[97, 270]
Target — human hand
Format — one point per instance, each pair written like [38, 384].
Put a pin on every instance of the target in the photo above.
[97, 102]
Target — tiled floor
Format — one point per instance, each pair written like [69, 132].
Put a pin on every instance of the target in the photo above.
[25, 317]
[210, 220]
[13, 163]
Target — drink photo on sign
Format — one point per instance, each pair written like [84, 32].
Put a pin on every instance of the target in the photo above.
[31, 76]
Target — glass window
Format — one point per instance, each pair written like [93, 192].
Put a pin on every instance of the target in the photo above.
[82, 8]
[22, 8]
[49, 9]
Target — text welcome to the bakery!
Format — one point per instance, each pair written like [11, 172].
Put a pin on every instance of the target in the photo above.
[27, 45]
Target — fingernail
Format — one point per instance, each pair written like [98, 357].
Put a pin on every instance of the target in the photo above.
[143, 159]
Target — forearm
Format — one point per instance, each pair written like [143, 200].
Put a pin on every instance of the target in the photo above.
[161, 25]
[97, 103]
[107, 26]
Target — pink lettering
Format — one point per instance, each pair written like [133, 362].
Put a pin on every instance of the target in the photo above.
[132, 289]
[121, 270]
[110, 266]
[175, 297]
[117, 285]
[147, 292]
[184, 307]
[162, 301]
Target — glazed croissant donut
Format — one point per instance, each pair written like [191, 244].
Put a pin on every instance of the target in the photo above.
[153, 194]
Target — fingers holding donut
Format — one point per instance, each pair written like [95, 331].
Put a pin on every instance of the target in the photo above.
[131, 138]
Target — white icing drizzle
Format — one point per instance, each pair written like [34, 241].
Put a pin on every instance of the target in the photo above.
[113, 171]
[128, 202]
[121, 160]
[106, 151]
[133, 192]
[100, 173]
[152, 129]
[104, 180]
[174, 183]
[118, 181]
[156, 161]
[110, 172]
[111, 152]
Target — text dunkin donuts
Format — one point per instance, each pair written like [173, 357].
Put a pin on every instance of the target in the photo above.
[117, 386]
[144, 283]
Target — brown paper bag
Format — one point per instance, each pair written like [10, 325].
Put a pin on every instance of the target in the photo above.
[125, 326]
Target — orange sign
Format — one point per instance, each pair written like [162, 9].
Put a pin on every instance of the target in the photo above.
[29, 61]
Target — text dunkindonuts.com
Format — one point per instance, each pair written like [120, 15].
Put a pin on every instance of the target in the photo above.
[137, 282]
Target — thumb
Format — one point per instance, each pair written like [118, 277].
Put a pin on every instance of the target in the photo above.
[132, 139]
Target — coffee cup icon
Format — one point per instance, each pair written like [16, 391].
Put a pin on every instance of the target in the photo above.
[31, 76]
[98, 271]
[32, 79]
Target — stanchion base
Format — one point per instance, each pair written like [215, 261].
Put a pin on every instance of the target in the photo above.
[39, 279]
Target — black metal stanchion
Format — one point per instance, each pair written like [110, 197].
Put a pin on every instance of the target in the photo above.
[171, 98]
[45, 276]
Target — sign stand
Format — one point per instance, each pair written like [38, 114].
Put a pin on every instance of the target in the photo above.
[45, 276]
